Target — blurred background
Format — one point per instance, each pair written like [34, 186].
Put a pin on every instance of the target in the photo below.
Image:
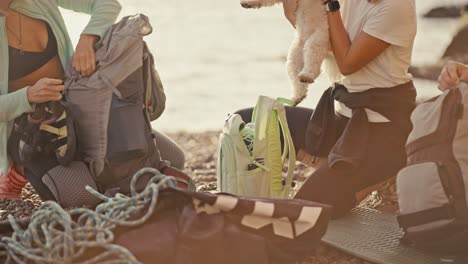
[215, 57]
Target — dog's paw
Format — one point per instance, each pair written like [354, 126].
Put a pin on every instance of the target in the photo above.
[298, 99]
[250, 5]
[306, 78]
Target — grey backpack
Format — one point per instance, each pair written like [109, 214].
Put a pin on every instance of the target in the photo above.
[432, 189]
[114, 106]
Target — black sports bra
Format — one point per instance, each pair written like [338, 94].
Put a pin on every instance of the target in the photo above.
[23, 63]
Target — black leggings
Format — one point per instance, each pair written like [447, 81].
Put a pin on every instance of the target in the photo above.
[298, 119]
[337, 186]
[35, 169]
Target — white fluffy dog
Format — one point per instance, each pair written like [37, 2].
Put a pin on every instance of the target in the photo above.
[310, 46]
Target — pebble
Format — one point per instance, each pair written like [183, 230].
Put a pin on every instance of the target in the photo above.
[205, 172]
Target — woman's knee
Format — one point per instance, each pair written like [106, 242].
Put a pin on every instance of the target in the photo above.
[324, 186]
[178, 158]
[170, 150]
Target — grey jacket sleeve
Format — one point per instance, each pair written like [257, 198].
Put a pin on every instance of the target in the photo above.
[103, 13]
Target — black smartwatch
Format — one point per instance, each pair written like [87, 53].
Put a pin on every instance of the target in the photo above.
[332, 6]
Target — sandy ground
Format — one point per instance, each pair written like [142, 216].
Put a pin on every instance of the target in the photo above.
[200, 151]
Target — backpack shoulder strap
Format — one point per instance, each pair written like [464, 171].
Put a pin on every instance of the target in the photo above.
[264, 111]
[288, 152]
[155, 99]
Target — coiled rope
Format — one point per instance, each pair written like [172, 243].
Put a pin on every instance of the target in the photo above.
[248, 135]
[57, 236]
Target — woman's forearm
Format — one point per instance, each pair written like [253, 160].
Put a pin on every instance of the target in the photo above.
[12, 105]
[352, 57]
[340, 42]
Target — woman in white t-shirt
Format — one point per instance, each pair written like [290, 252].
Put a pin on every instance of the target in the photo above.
[356, 136]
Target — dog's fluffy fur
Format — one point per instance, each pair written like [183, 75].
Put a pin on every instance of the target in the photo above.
[310, 45]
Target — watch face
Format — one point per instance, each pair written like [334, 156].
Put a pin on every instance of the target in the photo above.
[334, 6]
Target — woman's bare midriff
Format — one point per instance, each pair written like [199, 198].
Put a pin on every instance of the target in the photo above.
[52, 69]
[34, 38]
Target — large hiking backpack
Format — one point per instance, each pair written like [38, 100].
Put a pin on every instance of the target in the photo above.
[251, 157]
[114, 106]
[432, 189]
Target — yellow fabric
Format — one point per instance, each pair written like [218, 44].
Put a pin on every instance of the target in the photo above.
[61, 132]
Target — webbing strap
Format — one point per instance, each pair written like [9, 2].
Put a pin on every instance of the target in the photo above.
[288, 152]
[445, 212]
[61, 132]
[57, 144]
[148, 85]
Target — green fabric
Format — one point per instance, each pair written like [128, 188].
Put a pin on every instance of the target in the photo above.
[288, 153]
[269, 116]
[234, 173]
[274, 156]
[103, 15]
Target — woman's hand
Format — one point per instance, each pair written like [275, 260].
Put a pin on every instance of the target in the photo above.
[290, 8]
[452, 74]
[45, 90]
[83, 60]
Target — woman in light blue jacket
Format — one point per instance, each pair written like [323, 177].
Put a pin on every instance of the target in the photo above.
[34, 50]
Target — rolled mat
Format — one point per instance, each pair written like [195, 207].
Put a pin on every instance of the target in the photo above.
[374, 236]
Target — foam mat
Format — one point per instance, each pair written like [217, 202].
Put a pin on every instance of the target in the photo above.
[374, 236]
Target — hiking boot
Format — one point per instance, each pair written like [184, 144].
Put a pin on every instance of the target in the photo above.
[12, 184]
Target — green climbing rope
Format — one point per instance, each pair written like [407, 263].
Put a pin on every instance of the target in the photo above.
[57, 236]
[248, 135]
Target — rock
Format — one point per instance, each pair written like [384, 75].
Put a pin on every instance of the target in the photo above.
[432, 71]
[18, 214]
[459, 45]
[457, 50]
[446, 11]
[205, 172]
